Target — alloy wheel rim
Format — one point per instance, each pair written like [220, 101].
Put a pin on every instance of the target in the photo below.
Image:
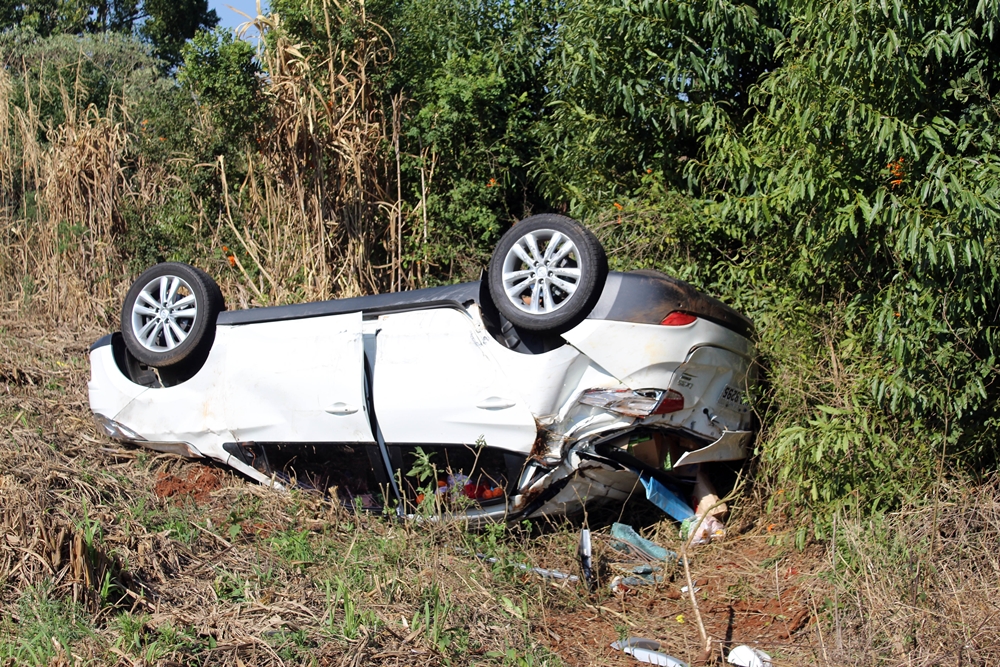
[541, 272]
[164, 313]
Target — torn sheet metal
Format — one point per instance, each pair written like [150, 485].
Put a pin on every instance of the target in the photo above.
[731, 446]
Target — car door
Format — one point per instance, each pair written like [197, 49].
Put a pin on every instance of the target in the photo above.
[297, 381]
[435, 382]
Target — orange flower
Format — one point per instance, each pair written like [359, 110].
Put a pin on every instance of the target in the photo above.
[492, 182]
[618, 206]
[232, 260]
[896, 172]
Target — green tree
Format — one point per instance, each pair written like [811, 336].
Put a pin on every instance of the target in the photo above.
[470, 75]
[225, 78]
[867, 176]
[630, 84]
[165, 24]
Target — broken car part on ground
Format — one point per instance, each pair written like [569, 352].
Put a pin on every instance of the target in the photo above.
[549, 384]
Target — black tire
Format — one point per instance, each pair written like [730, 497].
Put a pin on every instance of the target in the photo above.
[564, 282]
[183, 331]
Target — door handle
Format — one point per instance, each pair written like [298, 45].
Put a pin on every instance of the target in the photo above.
[341, 408]
[495, 403]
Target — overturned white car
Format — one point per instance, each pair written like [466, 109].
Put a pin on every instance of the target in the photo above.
[549, 383]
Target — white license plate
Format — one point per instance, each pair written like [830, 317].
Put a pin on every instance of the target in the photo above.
[732, 398]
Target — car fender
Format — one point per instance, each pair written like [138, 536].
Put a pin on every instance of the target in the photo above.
[646, 355]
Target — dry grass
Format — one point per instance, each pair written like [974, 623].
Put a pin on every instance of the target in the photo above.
[59, 218]
[317, 192]
[919, 588]
[316, 215]
[237, 574]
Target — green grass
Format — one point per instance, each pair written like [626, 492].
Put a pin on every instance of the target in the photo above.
[167, 517]
[46, 626]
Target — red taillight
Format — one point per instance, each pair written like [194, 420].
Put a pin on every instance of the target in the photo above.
[678, 319]
[672, 401]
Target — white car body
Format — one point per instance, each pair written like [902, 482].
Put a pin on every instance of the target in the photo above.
[426, 369]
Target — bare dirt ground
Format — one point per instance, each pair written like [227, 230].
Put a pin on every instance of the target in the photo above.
[111, 554]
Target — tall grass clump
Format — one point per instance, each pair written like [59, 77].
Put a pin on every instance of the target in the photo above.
[314, 184]
[262, 167]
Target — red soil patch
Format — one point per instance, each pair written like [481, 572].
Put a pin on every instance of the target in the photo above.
[197, 485]
[749, 593]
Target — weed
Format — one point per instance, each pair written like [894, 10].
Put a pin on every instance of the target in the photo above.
[230, 585]
[432, 619]
[135, 637]
[352, 621]
[292, 645]
[168, 518]
[294, 546]
[48, 628]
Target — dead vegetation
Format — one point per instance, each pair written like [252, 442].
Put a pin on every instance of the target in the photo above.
[316, 213]
[116, 555]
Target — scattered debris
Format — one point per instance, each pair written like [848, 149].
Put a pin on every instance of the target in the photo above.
[586, 559]
[665, 499]
[459, 483]
[622, 584]
[705, 529]
[707, 501]
[708, 513]
[626, 539]
[746, 656]
[644, 572]
[545, 574]
[645, 650]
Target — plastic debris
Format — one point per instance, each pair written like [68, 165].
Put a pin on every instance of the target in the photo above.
[628, 538]
[746, 656]
[585, 553]
[621, 585]
[708, 502]
[706, 517]
[705, 530]
[665, 499]
[459, 484]
[632, 575]
[645, 650]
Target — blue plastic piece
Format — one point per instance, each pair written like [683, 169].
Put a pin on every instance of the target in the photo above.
[627, 534]
[665, 499]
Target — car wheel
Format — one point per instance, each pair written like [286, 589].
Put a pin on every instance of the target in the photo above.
[547, 273]
[169, 315]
